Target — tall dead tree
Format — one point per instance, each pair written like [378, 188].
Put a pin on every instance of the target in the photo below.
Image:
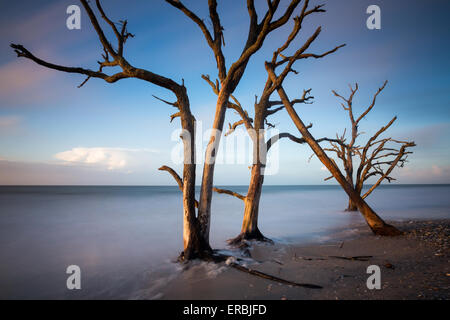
[194, 244]
[229, 78]
[377, 157]
[256, 128]
[280, 59]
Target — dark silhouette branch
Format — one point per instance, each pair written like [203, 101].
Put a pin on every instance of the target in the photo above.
[23, 52]
[377, 157]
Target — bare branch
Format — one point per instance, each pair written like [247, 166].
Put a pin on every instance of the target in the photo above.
[252, 13]
[299, 54]
[373, 102]
[235, 106]
[234, 126]
[304, 99]
[293, 138]
[287, 14]
[21, 51]
[174, 104]
[229, 192]
[175, 115]
[277, 137]
[98, 29]
[273, 111]
[177, 4]
[174, 174]
[215, 42]
[177, 178]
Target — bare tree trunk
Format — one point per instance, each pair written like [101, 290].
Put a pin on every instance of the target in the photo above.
[206, 191]
[351, 205]
[376, 224]
[250, 230]
[257, 33]
[194, 245]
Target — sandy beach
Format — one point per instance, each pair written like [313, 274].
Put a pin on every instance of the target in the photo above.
[413, 266]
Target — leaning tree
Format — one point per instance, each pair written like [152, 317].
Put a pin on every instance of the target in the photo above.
[286, 62]
[378, 157]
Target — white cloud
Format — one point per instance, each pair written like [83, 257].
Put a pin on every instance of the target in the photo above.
[36, 173]
[110, 158]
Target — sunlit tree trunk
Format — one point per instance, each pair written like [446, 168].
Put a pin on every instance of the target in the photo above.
[250, 230]
[351, 205]
[194, 244]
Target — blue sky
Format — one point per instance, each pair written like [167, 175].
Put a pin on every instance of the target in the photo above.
[51, 132]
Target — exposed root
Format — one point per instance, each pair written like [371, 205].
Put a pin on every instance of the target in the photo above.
[199, 249]
[273, 278]
[241, 241]
[215, 257]
[355, 258]
[208, 256]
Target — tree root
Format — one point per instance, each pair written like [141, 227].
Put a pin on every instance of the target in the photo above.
[241, 241]
[216, 257]
[355, 258]
[206, 255]
[273, 278]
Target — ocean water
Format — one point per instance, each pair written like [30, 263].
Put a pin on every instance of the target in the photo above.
[124, 239]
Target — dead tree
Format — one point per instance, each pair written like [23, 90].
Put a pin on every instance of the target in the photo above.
[377, 225]
[229, 78]
[194, 244]
[377, 157]
[256, 128]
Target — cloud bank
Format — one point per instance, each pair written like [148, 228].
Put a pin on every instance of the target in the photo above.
[109, 158]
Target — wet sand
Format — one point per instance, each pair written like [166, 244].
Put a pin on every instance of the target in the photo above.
[413, 266]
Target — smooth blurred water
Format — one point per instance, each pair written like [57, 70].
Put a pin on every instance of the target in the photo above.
[124, 238]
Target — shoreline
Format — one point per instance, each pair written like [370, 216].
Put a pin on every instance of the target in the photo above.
[413, 266]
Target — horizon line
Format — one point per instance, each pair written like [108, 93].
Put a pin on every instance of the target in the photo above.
[223, 185]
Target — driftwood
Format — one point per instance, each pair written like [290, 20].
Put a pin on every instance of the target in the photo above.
[216, 257]
[308, 259]
[273, 278]
[355, 258]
